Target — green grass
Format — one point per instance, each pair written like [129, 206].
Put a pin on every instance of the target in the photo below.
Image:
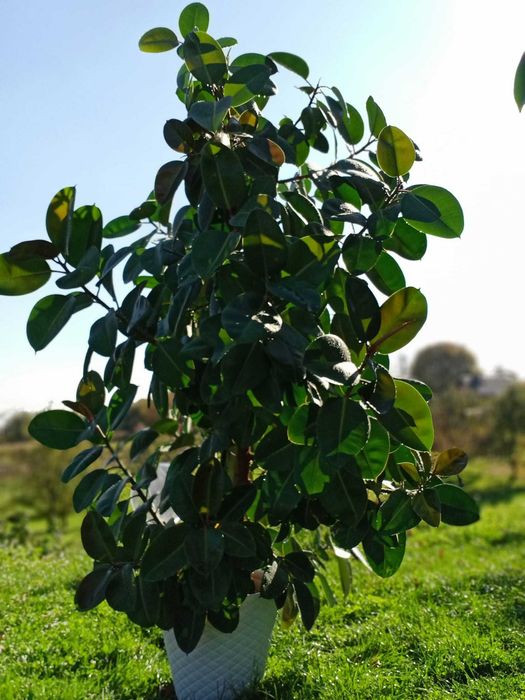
[450, 624]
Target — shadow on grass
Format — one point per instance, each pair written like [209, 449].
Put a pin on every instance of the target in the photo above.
[498, 493]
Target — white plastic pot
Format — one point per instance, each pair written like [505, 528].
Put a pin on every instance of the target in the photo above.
[222, 665]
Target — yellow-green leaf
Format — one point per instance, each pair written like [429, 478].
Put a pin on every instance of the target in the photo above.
[158, 40]
[395, 151]
[22, 276]
[402, 316]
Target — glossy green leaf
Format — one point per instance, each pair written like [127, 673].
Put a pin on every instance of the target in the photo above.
[204, 58]
[395, 151]
[19, 277]
[292, 62]
[28, 250]
[165, 555]
[158, 40]
[410, 420]
[519, 84]
[406, 241]
[210, 249]
[57, 429]
[450, 462]
[344, 496]
[382, 392]
[97, 538]
[238, 540]
[194, 16]
[308, 604]
[210, 115]
[81, 462]
[168, 179]
[223, 177]
[351, 126]
[426, 504]
[384, 553]
[91, 391]
[204, 549]
[402, 317]
[396, 514]
[376, 118]
[86, 268]
[103, 334]
[121, 226]
[48, 317]
[342, 426]
[372, 458]
[264, 243]
[457, 507]
[85, 232]
[188, 627]
[89, 488]
[386, 274]
[360, 253]
[433, 210]
[246, 83]
[92, 589]
[59, 217]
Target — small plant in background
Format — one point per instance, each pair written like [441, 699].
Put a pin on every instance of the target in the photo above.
[267, 348]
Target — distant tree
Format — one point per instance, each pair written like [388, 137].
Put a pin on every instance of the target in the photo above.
[14, 428]
[445, 366]
[508, 431]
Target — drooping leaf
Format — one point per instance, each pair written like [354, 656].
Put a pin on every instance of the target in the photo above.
[433, 210]
[409, 420]
[384, 553]
[457, 507]
[168, 179]
[57, 429]
[158, 40]
[97, 538]
[344, 496]
[264, 243]
[223, 177]
[292, 62]
[342, 426]
[92, 589]
[19, 277]
[204, 548]
[372, 458]
[376, 118]
[402, 316]
[165, 555]
[308, 604]
[238, 540]
[395, 151]
[426, 504]
[103, 334]
[519, 83]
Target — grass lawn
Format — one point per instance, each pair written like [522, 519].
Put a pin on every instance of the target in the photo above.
[450, 624]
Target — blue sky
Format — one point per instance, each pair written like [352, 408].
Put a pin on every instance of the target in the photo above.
[82, 106]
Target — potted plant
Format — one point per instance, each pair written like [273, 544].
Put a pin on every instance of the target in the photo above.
[285, 433]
